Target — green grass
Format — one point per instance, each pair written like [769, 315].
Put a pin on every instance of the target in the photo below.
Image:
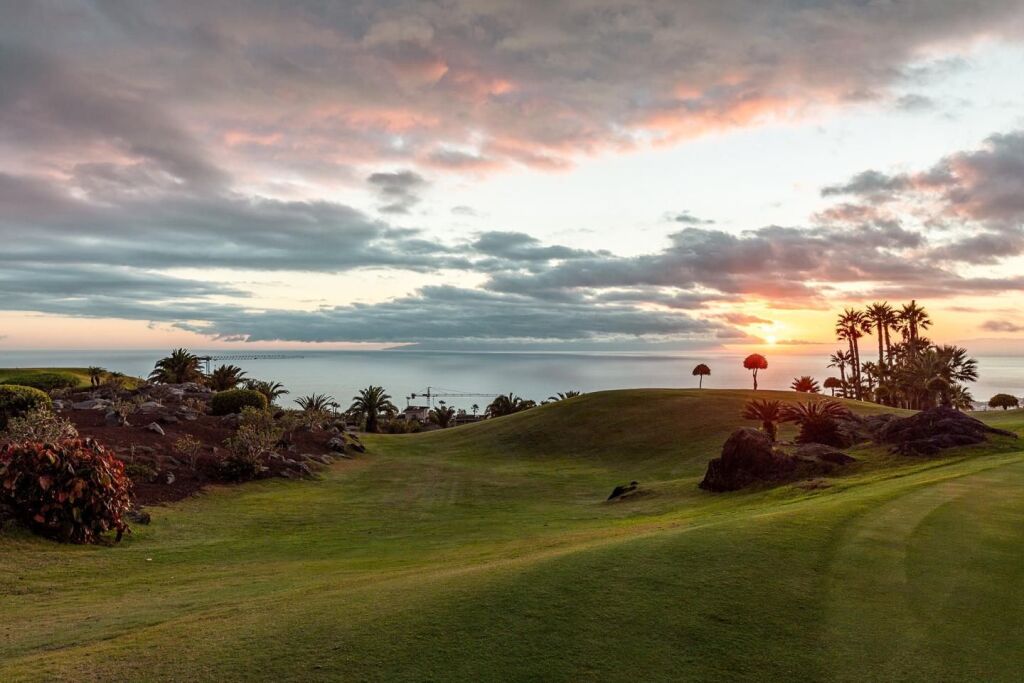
[81, 373]
[487, 552]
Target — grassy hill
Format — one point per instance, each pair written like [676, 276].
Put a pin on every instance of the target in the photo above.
[487, 552]
[81, 373]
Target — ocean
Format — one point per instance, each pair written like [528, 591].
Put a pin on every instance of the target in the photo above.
[530, 375]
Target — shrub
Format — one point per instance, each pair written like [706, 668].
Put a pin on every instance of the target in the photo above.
[15, 401]
[256, 436]
[190, 448]
[1003, 401]
[41, 425]
[818, 421]
[234, 400]
[44, 381]
[73, 491]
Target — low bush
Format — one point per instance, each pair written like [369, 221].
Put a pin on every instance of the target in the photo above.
[41, 425]
[234, 400]
[400, 426]
[16, 400]
[256, 436]
[44, 381]
[73, 491]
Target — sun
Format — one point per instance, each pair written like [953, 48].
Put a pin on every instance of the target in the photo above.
[770, 340]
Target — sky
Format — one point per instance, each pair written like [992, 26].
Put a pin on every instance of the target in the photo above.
[620, 175]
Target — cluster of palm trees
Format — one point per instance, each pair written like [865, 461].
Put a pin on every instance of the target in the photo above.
[816, 419]
[910, 371]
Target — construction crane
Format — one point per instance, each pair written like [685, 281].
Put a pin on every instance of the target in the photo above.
[233, 357]
[430, 395]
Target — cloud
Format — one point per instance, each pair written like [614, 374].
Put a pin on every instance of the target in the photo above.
[744, 319]
[688, 218]
[189, 90]
[398, 190]
[1001, 326]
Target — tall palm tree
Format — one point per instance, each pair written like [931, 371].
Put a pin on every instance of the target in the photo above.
[913, 319]
[475, 408]
[880, 316]
[225, 377]
[850, 327]
[371, 403]
[768, 413]
[700, 371]
[177, 368]
[840, 359]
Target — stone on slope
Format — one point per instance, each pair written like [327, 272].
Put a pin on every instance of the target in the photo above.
[931, 430]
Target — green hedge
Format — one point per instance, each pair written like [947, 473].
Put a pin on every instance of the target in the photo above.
[16, 400]
[44, 381]
[233, 400]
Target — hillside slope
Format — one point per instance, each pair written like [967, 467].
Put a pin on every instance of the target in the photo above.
[488, 553]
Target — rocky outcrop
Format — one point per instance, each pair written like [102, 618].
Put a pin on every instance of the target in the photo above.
[749, 457]
[928, 432]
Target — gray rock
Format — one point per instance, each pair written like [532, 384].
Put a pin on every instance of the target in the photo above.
[91, 404]
[155, 428]
[150, 406]
[169, 419]
[112, 419]
[139, 516]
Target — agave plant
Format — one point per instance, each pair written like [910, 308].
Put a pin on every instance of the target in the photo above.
[316, 403]
[225, 377]
[179, 367]
[817, 420]
[768, 413]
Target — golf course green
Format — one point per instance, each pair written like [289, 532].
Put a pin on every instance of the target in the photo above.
[488, 552]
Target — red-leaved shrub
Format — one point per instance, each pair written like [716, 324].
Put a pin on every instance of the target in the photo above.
[73, 491]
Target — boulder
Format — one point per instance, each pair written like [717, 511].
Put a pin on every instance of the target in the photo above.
[112, 419]
[749, 457]
[151, 406]
[169, 419]
[929, 431]
[155, 428]
[139, 516]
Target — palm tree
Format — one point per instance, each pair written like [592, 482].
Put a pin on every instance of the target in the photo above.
[562, 395]
[177, 368]
[475, 408]
[913, 319]
[851, 326]
[96, 375]
[700, 371]
[840, 359]
[755, 362]
[442, 416]
[272, 390]
[506, 404]
[225, 377]
[833, 383]
[881, 316]
[805, 384]
[316, 403]
[371, 403]
[768, 413]
[960, 398]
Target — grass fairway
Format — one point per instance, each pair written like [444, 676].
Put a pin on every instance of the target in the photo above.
[487, 552]
[81, 373]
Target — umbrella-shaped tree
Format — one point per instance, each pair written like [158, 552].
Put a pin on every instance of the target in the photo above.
[833, 383]
[755, 362]
[700, 371]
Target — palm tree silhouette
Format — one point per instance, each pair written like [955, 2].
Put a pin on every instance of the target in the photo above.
[805, 384]
[371, 402]
[833, 383]
[913, 319]
[177, 368]
[850, 327]
[881, 316]
[768, 413]
[840, 359]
